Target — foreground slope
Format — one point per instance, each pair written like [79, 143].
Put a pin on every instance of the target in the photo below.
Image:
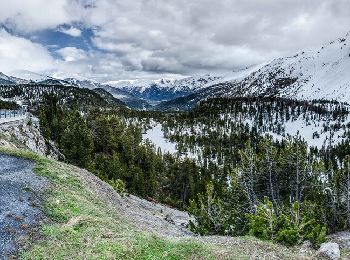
[90, 220]
[20, 191]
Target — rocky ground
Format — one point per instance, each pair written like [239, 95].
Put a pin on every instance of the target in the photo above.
[24, 132]
[146, 215]
[20, 210]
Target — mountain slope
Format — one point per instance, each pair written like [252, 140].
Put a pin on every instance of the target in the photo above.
[28, 76]
[108, 96]
[35, 93]
[124, 96]
[8, 80]
[316, 74]
[163, 89]
[114, 95]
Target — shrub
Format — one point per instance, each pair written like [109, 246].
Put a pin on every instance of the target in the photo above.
[263, 224]
[316, 234]
[224, 216]
[210, 214]
[290, 227]
[118, 185]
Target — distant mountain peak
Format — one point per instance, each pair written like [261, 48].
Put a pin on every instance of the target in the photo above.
[163, 89]
[320, 73]
[29, 75]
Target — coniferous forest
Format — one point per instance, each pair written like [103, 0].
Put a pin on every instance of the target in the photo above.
[152, 129]
[238, 169]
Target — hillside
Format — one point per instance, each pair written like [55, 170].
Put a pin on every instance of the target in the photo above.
[34, 93]
[87, 219]
[123, 95]
[321, 73]
[163, 89]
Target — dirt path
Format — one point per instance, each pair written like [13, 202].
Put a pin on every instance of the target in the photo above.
[20, 211]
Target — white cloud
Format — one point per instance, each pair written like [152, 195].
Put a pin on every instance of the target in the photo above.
[72, 31]
[32, 15]
[200, 35]
[152, 37]
[70, 54]
[18, 53]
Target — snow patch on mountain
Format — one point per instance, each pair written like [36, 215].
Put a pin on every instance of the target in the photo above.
[29, 75]
[185, 84]
[163, 89]
[321, 73]
[83, 83]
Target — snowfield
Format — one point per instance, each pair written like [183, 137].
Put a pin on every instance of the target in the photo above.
[321, 73]
[156, 136]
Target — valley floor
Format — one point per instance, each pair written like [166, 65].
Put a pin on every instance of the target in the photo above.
[89, 220]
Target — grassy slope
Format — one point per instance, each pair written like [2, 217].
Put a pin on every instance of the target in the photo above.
[82, 227]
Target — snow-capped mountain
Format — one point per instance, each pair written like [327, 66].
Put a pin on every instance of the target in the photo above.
[27, 76]
[163, 89]
[316, 74]
[9, 80]
[322, 73]
[121, 94]
[4, 79]
[85, 83]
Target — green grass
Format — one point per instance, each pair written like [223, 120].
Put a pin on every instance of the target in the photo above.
[83, 227]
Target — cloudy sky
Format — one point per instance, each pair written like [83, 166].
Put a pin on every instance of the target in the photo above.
[127, 39]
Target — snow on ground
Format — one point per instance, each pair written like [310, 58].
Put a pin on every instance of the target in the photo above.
[300, 128]
[12, 119]
[156, 136]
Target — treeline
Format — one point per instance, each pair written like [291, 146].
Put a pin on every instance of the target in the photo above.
[218, 128]
[241, 181]
[35, 93]
[271, 104]
[8, 105]
[104, 143]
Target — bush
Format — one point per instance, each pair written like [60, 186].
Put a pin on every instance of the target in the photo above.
[290, 227]
[118, 185]
[316, 234]
[263, 224]
[225, 215]
[210, 214]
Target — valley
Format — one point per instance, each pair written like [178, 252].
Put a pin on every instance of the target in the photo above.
[260, 152]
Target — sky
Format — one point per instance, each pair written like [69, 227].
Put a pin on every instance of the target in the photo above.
[128, 39]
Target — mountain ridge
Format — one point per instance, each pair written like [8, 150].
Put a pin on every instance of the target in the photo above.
[315, 74]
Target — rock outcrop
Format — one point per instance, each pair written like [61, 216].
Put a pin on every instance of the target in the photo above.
[329, 250]
[25, 133]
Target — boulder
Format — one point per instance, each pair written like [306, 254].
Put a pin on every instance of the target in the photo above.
[341, 238]
[329, 250]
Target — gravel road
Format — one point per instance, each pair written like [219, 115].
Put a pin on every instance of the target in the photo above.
[20, 210]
